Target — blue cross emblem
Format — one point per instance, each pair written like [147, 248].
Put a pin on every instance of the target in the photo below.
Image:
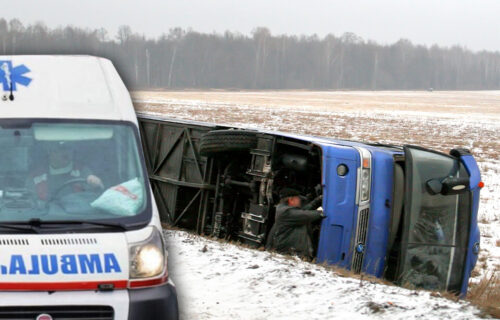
[11, 76]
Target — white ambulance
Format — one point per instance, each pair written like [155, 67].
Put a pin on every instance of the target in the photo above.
[80, 234]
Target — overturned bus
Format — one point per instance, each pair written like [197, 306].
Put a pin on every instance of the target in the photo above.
[405, 214]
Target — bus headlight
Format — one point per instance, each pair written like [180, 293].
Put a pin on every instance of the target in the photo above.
[365, 184]
[147, 259]
[364, 175]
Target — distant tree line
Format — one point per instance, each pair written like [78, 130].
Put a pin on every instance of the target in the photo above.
[189, 59]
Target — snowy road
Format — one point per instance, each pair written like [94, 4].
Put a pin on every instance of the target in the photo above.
[218, 280]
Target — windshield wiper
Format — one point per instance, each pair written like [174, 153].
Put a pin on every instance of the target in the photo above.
[40, 223]
[18, 227]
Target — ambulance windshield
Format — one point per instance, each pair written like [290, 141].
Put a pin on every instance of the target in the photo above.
[68, 171]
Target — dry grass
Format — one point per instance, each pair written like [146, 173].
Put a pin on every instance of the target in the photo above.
[486, 294]
[484, 102]
[350, 115]
[498, 243]
[483, 220]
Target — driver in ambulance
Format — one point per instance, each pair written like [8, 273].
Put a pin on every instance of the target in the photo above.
[61, 169]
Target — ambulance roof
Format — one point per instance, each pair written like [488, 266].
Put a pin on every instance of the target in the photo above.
[63, 87]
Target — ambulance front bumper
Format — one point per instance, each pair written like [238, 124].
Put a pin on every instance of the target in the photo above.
[152, 303]
[155, 303]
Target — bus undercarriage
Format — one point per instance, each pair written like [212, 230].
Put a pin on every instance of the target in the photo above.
[225, 183]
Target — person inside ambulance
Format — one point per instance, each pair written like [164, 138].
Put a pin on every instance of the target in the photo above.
[63, 175]
[291, 232]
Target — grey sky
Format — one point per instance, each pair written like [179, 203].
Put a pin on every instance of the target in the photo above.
[474, 24]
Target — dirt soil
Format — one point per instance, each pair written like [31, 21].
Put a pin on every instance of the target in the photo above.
[387, 116]
[465, 102]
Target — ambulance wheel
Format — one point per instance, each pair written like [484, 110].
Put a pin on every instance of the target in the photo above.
[218, 141]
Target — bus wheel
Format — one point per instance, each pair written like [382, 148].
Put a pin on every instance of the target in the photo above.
[218, 141]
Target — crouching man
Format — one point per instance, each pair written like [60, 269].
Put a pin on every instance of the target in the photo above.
[291, 232]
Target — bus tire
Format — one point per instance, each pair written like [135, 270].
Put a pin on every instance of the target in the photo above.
[218, 141]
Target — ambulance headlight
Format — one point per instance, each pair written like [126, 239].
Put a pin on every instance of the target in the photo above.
[148, 258]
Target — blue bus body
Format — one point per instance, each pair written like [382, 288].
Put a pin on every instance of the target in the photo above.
[337, 242]
[391, 212]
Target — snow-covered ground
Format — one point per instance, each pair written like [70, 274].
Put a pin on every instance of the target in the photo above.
[217, 280]
[440, 121]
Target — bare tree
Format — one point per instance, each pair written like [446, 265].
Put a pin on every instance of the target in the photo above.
[188, 59]
[124, 34]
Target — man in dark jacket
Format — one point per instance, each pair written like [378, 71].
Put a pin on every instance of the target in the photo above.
[291, 232]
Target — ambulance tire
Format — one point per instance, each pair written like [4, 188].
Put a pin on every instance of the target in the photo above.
[219, 141]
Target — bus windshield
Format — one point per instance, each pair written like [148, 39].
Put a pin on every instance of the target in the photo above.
[436, 225]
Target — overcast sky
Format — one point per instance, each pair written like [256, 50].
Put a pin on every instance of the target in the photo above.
[474, 24]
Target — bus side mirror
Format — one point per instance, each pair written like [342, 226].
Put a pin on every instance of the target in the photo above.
[448, 186]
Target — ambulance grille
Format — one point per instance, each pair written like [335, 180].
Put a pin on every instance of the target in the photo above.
[68, 241]
[58, 312]
[360, 242]
[14, 242]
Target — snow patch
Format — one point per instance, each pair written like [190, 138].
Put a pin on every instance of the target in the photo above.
[217, 280]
